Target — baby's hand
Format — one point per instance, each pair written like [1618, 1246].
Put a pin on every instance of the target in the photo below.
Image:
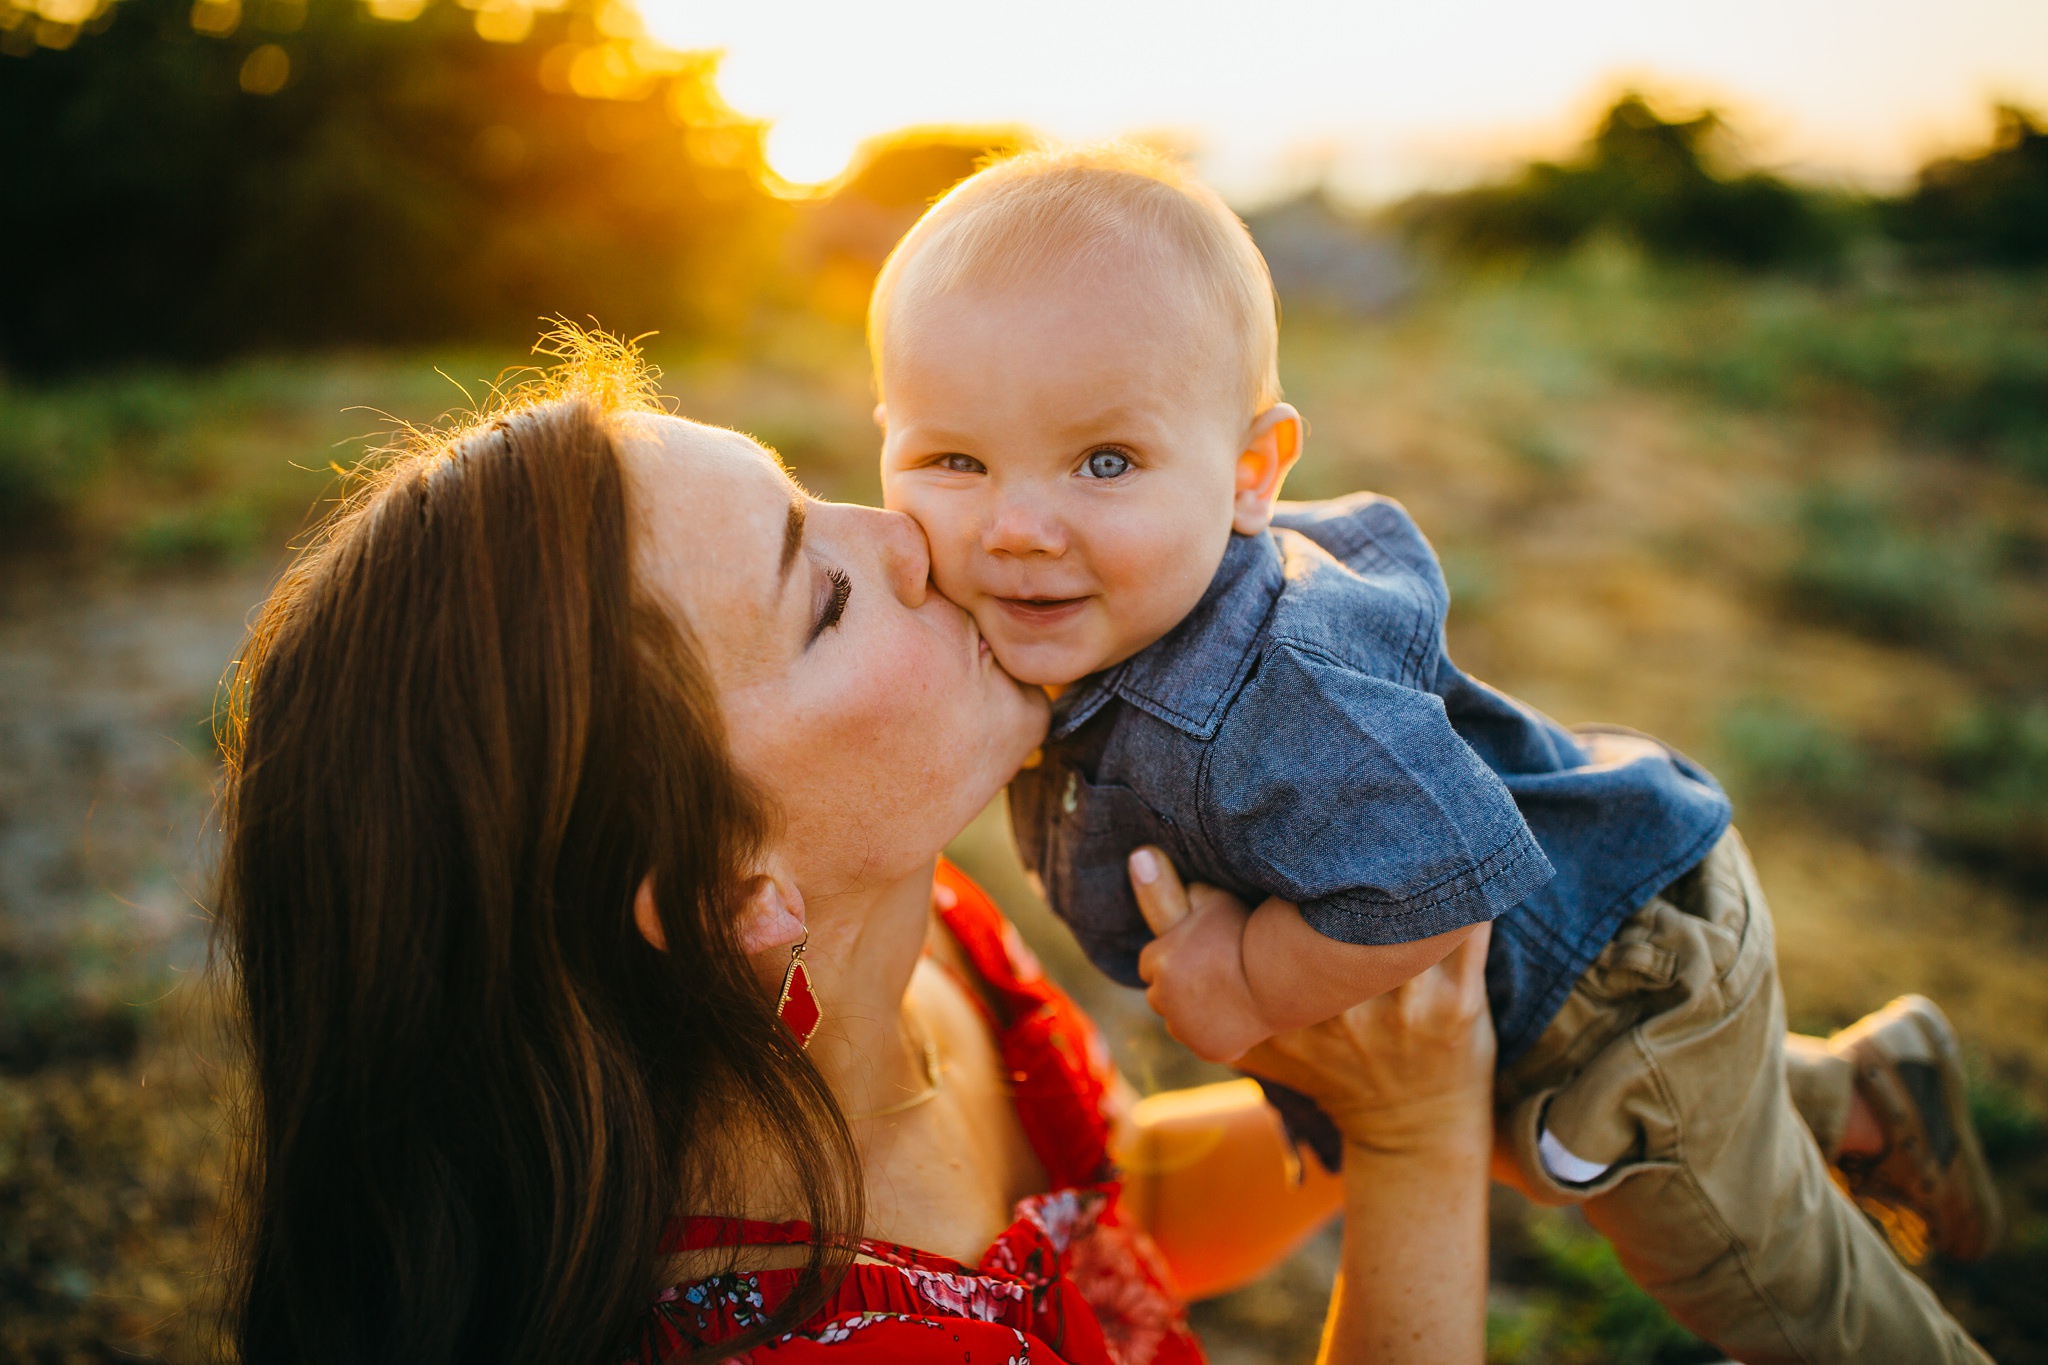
[1194, 969]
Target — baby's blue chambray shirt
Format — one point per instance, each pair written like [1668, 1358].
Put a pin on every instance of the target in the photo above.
[1302, 733]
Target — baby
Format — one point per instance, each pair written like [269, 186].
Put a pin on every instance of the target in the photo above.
[1076, 354]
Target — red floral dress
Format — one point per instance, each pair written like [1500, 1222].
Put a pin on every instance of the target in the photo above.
[1068, 1283]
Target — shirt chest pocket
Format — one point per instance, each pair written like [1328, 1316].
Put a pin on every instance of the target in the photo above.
[1091, 830]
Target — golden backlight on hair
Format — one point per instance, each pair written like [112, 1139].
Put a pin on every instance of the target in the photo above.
[1112, 205]
[608, 372]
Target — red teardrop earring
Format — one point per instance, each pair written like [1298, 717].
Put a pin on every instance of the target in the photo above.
[798, 1007]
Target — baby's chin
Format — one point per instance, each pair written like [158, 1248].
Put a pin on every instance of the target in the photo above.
[1042, 663]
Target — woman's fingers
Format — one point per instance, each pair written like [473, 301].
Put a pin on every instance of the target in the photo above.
[1454, 991]
[1467, 965]
[1161, 897]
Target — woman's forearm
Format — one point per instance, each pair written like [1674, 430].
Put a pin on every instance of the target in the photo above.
[1208, 1173]
[1412, 1285]
[1407, 1078]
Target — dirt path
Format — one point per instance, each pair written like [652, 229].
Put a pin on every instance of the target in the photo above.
[105, 762]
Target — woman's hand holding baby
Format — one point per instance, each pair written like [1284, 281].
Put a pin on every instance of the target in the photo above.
[1385, 1069]
[1407, 1077]
[1225, 981]
[1406, 1070]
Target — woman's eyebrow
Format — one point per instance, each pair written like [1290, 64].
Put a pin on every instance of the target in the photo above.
[792, 536]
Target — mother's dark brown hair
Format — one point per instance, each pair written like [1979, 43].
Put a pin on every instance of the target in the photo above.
[461, 737]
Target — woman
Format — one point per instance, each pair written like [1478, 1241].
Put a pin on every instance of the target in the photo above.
[579, 874]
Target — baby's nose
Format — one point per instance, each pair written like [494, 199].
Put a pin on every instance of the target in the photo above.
[1023, 528]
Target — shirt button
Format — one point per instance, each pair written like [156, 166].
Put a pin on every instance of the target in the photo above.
[1072, 799]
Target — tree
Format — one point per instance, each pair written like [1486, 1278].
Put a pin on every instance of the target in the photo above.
[194, 180]
[1645, 177]
[1986, 209]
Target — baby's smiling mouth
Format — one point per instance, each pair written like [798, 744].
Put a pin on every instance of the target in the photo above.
[1041, 611]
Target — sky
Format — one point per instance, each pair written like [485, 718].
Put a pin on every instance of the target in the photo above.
[1373, 96]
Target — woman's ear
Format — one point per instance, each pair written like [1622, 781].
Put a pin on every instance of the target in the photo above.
[1271, 446]
[646, 918]
[772, 915]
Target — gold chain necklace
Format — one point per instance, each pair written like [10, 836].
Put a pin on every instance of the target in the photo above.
[934, 1081]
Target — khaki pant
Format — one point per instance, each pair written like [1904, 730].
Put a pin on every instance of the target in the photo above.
[1670, 1060]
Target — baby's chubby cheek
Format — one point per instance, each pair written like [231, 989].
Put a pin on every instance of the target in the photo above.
[954, 583]
[950, 576]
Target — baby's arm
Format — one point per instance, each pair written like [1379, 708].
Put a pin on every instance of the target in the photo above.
[1225, 981]
[1299, 977]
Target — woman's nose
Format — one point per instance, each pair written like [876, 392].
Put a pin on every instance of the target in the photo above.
[905, 557]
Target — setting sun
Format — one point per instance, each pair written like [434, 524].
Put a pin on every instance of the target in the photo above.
[1378, 98]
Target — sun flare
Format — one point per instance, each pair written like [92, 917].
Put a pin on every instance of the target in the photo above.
[1376, 97]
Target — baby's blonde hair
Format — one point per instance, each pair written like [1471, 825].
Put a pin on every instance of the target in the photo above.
[1114, 203]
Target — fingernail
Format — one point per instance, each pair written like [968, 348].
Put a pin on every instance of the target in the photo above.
[1145, 866]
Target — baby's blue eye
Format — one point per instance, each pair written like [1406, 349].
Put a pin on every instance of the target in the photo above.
[961, 464]
[1106, 464]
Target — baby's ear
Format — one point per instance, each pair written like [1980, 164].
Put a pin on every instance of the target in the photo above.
[1271, 446]
[882, 417]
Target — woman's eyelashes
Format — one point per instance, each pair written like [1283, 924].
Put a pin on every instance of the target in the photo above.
[832, 602]
[1106, 462]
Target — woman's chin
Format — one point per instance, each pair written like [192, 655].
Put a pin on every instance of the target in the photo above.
[1013, 726]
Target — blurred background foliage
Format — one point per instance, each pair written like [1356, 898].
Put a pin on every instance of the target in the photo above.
[209, 178]
[191, 179]
[1669, 185]
[1757, 465]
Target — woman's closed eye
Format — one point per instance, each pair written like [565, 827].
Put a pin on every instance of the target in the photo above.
[1106, 462]
[837, 588]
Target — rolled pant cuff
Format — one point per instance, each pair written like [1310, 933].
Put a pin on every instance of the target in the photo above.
[1520, 1129]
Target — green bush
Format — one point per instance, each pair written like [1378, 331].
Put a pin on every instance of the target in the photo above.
[162, 468]
[1987, 209]
[1643, 177]
[216, 532]
[46, 1019]
[2011, 1129]
[35, 476]
[1996, 808]
[1575, 1305]
[1960, 362]
[1859, 565]
[1776, 750]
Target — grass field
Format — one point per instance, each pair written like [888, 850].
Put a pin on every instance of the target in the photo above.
[1797, 528]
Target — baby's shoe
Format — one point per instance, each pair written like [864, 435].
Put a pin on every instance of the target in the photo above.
[1930, 1186]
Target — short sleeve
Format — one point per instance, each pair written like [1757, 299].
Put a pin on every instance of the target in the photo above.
[1353, 797]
